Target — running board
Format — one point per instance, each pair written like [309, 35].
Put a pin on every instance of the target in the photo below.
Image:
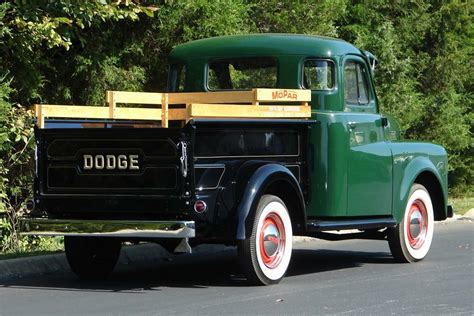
[367, 223]
[371, 235]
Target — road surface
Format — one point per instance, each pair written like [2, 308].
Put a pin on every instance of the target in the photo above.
[345, 277]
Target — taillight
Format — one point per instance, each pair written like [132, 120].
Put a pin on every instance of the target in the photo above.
[200, 206]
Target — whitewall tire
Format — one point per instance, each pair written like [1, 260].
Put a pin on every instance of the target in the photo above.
[411, 239]
[266, 254]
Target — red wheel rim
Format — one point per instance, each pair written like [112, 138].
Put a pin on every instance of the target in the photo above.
[417, 224]
[272, 240]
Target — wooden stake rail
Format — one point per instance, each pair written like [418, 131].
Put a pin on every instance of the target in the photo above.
[257, 103]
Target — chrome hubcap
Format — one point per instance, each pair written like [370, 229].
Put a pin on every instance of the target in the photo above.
[271, 239]
[417, 224]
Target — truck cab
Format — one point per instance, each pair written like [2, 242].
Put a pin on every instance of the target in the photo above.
[258, 138]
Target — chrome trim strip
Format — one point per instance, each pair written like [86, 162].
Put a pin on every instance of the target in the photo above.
[107, 228]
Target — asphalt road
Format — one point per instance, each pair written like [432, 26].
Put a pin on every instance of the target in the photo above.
[344, 277]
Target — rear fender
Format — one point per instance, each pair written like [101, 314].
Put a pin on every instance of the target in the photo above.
[257, 186]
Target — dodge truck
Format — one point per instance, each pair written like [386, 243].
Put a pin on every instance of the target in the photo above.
[257, 139]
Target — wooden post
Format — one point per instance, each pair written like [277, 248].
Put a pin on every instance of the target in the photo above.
[164, 110]
[254, 97]
[39, 115]
[112, 105]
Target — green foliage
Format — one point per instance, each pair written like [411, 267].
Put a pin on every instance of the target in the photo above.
[16, 166]
[307, 17]
[36, 37]
[72, 51]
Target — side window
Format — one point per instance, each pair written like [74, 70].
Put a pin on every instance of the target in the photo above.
[356, 90]
[318, 75]
[181, 78]
[177, 77]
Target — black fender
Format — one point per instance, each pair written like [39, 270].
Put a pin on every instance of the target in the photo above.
[262, 178]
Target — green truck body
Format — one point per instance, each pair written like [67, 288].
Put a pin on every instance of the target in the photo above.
[364, 170]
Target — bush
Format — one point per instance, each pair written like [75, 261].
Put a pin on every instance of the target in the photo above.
[16, 166]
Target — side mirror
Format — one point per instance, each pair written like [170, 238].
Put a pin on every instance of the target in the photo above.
[371, 59]
[384, 121]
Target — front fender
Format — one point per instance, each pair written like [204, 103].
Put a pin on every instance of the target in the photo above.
[409, 173]
[256, 186]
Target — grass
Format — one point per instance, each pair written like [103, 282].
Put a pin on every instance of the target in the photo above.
[462, 204]
[13, 255]
[33, 246]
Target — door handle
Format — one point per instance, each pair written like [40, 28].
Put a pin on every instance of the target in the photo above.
[352, 125]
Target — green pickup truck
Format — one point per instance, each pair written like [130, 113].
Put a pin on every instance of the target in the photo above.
[259, 138]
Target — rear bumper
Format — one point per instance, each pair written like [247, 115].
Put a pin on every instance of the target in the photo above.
[107, 228]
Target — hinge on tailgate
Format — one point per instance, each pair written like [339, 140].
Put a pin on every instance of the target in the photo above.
[184, 158]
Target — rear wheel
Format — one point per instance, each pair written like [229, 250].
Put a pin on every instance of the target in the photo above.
[266, 254]
[410, 240]
[92, 257]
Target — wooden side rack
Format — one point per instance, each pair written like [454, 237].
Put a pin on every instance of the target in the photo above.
[184, 106]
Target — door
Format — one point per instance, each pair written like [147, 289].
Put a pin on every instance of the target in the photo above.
[369, 178]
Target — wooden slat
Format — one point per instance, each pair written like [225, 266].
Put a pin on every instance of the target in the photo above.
[211, 97]
[149, 114]
[178, 115]
[249, 111]
[138, 114]
[100, 112]
[135, 97]
[256, 95]
[75, 111]
[282, 95]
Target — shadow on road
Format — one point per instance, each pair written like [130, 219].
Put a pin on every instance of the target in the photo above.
[197, 271]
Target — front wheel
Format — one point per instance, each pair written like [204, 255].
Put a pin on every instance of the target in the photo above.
[92, 257]
[266, 254]
[410, 240]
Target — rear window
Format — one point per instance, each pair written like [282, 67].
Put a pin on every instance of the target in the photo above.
[242, 73]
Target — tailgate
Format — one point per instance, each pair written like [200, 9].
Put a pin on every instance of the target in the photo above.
[113, 161]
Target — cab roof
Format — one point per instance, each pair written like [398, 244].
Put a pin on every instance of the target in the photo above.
[263, 45]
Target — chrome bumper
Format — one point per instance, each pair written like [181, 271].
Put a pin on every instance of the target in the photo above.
[107, 228]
